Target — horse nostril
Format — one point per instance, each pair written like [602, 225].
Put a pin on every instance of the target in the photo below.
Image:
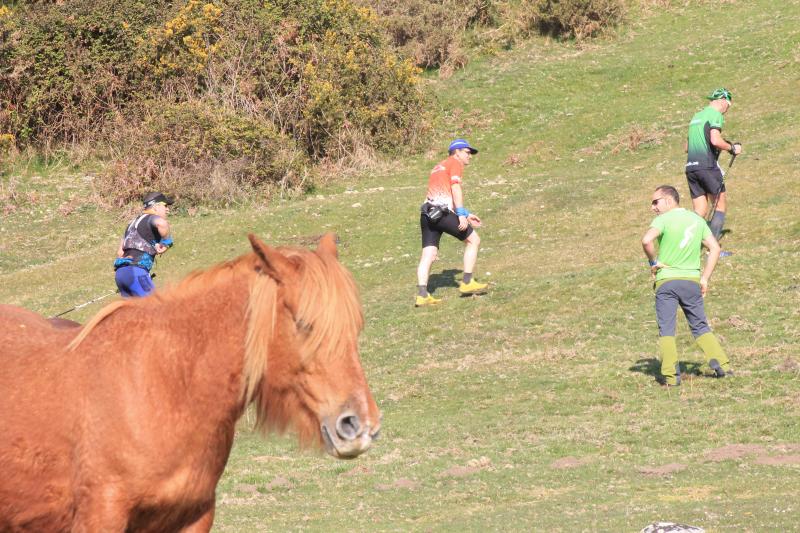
[348, 427]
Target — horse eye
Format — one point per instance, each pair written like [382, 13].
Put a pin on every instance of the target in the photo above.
[304, 326]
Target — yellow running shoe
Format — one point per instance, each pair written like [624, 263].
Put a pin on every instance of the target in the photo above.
[473, 287]
[426, 300]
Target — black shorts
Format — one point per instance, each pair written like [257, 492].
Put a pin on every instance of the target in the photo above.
[432, 231]
[704, 181]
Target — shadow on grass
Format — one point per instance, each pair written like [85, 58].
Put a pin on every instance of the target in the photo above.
[652, 367]
[446, 278]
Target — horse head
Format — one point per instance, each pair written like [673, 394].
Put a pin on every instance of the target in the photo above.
[306, 372]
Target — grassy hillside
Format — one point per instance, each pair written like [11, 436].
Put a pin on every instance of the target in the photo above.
[533, 407]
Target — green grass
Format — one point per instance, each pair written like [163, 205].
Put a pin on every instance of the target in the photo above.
[533, 407]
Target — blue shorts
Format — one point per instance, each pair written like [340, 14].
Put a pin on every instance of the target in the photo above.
[133, 281]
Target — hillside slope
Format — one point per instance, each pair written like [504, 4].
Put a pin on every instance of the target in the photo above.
[534, 407]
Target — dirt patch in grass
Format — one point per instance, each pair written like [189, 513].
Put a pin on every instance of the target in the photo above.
[459, 471]
[778, 460]
[740, 324]
[247, 488]
[473, 466]
[788, 365]
[663, 470]
[788, 447]
[401, 483]
[391, 457]
[279, 482]
[359, 470]
[734, 451]
[570, 462]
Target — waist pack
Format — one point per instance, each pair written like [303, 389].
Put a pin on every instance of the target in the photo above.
[435, 212]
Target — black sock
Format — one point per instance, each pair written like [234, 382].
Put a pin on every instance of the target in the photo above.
[717, 221]
[467, 277]
[422, 290]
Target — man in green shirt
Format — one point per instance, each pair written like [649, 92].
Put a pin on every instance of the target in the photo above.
[680, 235]
[703, 146]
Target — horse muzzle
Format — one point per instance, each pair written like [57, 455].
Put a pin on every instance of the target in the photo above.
[347, 437]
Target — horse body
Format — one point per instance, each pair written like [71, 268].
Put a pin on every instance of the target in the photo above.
[131, 426]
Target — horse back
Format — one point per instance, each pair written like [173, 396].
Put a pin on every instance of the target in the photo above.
[36, 432]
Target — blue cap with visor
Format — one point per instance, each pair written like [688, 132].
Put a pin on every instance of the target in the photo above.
[459, 144]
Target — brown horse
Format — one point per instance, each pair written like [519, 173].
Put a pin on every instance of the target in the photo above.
[126, 424]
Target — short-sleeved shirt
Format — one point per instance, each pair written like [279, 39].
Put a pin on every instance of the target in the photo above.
[680, 243]
[701, 153]
[443, 176]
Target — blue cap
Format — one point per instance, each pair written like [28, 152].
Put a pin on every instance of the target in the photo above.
[459, 144]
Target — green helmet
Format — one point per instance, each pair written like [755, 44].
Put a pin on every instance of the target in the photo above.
[721, 93]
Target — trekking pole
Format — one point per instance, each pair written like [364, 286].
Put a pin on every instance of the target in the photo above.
[85, 304]
[721, 185]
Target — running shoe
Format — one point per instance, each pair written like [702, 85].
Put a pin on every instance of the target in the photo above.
[473, 287]
[426, 300]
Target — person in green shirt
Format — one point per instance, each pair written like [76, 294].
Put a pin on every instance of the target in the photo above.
[679, 281]
[704, 143]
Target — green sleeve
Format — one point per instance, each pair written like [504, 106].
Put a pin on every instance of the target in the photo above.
[658, 223]
[706, 231]
[716, 120]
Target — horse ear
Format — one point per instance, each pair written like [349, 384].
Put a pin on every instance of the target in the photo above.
[275, 264]
[327, 245]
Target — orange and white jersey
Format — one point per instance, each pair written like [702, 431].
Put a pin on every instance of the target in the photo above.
[441, 180]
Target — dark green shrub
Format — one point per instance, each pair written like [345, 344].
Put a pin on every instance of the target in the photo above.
[321, 70]
[577, 19]
[432, 32]
[71, 66]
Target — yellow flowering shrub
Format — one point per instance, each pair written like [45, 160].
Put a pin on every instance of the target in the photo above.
[186, 42]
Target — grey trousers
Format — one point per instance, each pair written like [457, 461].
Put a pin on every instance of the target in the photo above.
[686, 294]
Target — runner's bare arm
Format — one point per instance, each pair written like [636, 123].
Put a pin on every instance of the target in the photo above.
[719, 142]
[711, 261]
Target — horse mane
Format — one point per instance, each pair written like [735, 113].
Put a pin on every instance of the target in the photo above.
[96, 319]
[328, 309]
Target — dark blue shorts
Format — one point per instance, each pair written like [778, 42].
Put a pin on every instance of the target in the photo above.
[705, 181]
[133, 281]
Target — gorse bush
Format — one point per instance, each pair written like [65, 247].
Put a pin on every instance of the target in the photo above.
[314, 79]
[204, 154]
[67, 69]
[433, 33]
[441, 33]
[577, 19]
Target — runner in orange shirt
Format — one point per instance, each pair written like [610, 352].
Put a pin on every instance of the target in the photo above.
[444, 212]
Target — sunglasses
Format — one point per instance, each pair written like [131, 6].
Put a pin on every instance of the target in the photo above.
[654, 202]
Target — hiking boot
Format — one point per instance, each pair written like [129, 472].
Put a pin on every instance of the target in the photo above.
[473, 287]
[718, 371]
[426, 300]
[671, 381]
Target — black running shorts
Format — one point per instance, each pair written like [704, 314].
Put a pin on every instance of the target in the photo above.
[704, 181]
[432, 231]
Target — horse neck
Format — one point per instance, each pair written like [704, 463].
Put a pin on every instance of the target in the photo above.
[212, 322]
